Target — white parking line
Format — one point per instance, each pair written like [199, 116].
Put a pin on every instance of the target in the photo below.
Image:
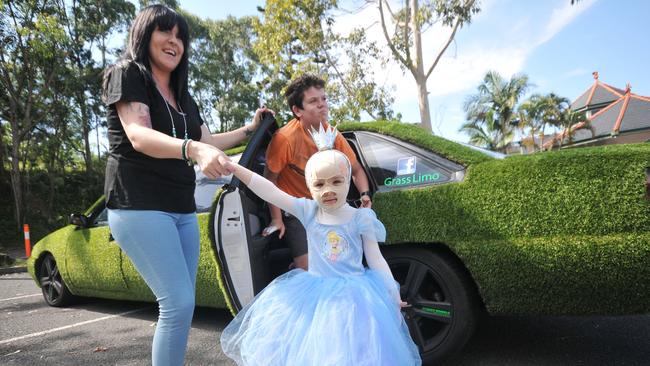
[20, 297]
[70, 326]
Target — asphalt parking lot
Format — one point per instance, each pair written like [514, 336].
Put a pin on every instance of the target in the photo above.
[104, 332]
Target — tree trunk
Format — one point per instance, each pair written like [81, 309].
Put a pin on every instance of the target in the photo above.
[81, 99]
[423, 103]
[418, 73]
[16, 184]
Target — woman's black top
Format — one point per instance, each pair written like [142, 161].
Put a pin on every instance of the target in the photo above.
[135, 181]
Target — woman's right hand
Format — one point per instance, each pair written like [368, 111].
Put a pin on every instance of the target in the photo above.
[211, 160]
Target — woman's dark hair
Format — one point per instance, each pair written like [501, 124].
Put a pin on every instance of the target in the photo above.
[296, 90]
[137, 48]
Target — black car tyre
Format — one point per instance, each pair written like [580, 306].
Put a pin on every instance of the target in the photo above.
[54, 289]
[444, 305]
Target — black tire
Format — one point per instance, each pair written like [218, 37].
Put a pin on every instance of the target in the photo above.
[444, 303]
[54, 289]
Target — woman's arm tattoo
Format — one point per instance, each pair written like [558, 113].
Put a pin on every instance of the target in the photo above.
[140, 113]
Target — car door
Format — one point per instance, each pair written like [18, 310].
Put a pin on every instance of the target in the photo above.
[93, 259]
[238, 218]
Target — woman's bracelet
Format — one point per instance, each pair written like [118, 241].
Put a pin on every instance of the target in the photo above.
[184, 148]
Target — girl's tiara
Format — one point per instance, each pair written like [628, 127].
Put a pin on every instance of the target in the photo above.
[324, 138]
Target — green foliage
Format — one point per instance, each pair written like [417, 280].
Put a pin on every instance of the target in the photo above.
[490, 112]
[52, 83]
[49, 201]
[222, 69]
[297, 37]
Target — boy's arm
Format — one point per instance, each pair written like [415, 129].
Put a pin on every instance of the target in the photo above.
[263, 188]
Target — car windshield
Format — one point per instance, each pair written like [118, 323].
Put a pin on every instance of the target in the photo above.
[206, 187]
[490, 153]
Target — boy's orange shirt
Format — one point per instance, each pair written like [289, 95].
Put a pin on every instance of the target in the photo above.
[288, 152]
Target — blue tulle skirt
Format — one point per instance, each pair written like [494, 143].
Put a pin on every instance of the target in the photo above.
[301, 319]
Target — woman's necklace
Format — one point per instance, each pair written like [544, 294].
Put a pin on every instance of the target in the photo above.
[170, 115]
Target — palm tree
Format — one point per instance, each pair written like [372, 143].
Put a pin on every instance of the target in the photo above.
[496, 99]
[529, 117]
[541, 111]
[572, 121]
[487, 133]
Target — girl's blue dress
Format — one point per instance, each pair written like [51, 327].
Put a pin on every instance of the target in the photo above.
[337, 313]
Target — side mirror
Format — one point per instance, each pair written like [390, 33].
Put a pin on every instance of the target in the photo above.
[78, 220]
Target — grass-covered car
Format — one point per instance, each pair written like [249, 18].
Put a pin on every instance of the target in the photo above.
[563, 232]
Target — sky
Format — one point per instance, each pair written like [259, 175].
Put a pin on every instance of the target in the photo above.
[556, 44]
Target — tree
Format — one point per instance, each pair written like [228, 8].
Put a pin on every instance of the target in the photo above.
[495, 104]
[405, 42]
[50, 83]
[570, 122]
[295, 36]
[486, 133]
[87, 24]
[539, 112]
[222, 68]
[31, 38]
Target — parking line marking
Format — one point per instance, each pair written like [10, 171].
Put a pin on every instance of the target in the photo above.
[70, 326]
[20, 297]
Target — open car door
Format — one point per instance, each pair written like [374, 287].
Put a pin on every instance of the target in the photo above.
[238, 218]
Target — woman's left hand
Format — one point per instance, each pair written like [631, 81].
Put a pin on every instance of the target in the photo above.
[257, 118]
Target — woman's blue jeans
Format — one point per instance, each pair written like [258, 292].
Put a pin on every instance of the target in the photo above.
[164, 248]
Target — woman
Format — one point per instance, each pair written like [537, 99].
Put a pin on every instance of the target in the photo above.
[154, 131]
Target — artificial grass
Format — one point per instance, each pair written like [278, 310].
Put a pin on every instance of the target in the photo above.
[561, 275]
[93, 267]
[549, 233]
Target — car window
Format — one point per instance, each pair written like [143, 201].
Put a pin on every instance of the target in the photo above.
[395, 164]
[102, 218]
[206, 187]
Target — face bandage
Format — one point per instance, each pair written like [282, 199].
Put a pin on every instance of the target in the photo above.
[328, 172]
[328, 178]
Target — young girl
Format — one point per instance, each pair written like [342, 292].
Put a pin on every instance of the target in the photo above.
[338, 312]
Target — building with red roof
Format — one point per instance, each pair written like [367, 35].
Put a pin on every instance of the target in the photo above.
[616, 116]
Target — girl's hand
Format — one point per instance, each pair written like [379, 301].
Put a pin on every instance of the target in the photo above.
[211, 161]
[403, 304]
[277, 225]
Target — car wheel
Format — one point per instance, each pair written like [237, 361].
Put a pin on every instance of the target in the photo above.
[54, 289]
[444, 303]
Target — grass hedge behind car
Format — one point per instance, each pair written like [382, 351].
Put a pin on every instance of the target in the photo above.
[546, 209]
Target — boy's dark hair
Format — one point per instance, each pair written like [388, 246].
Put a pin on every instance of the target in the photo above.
[137, 47]
[296, 90]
